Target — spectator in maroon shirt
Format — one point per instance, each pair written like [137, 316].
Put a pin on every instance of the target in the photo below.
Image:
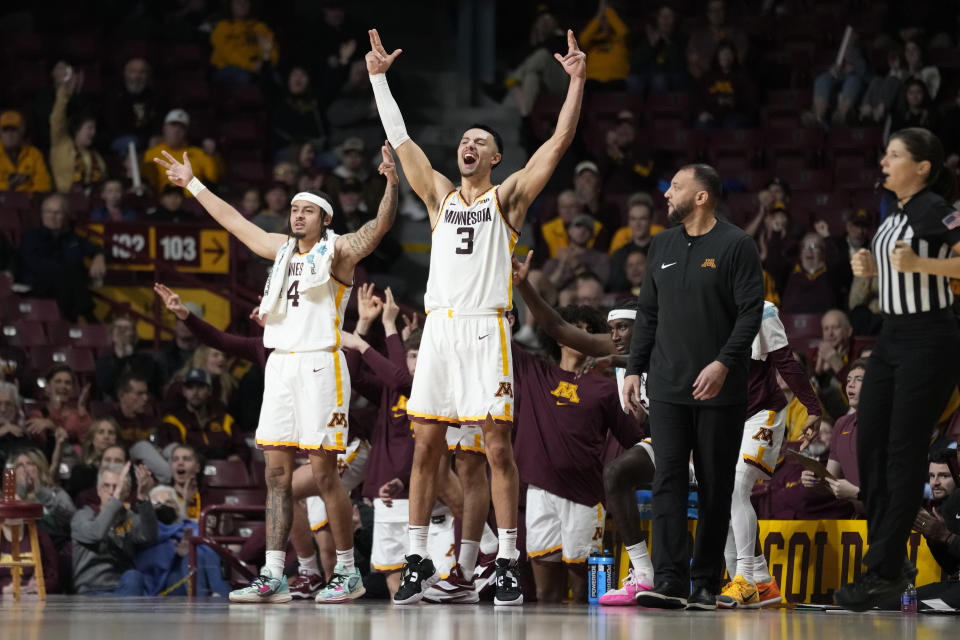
[842, 464]
[202, 422]
[48, 561]
[132, 411]
[812, 287]
[634, 468]
[562, 424]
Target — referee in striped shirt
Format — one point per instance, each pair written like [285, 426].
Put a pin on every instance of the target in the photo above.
[916, 361]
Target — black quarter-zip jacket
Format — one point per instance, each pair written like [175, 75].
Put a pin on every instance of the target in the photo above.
[701, 300]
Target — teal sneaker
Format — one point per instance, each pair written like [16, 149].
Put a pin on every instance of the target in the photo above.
[343, 586]
[263, 589]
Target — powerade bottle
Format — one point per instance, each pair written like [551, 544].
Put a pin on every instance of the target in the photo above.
[593, 571]
[908, 600]
[607, 578]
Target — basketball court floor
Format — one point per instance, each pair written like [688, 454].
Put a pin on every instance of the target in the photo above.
[76, 618]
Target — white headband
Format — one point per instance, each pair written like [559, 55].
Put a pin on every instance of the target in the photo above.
[622, 314]
[317, 200]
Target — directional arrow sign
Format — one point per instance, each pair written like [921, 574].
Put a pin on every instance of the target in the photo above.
[214, 251]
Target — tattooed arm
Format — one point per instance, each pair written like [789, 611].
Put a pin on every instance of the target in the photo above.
[353, 247]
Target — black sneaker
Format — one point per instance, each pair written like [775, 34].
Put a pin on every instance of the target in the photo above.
[418, 575]
[702, 599]
[663, 596]
[868, 590]
[508, 591]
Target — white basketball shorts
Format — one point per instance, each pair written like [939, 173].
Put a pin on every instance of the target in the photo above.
[306, 397]
[762, 438]
[555, 524]
[464, 371]
[391, 540]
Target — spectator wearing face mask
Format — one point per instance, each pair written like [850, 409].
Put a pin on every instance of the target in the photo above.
[165, 564]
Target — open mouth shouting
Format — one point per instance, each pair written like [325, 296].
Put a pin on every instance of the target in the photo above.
[469, 159]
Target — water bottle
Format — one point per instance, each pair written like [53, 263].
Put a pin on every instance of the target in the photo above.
[606, 574]
[593, 570]
[9, 483]
[600, 575]
[908, 600]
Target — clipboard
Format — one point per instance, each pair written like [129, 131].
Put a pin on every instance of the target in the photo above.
[811, 465]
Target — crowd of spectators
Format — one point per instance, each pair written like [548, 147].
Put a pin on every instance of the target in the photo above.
[117, 457]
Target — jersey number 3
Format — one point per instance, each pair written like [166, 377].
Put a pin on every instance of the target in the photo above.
[466, 240]
[293, 293]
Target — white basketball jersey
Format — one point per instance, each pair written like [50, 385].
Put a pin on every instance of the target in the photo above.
[314, 317]
[470, 267]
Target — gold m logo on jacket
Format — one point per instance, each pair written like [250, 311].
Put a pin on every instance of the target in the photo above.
[709, 262]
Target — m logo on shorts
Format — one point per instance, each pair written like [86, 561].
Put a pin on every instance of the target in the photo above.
[764, 435]
[566, 391]
[709, 262]
[505, 389]
[338, 420]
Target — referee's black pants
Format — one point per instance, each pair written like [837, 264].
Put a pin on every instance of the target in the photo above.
[909, 378]
[714, 435]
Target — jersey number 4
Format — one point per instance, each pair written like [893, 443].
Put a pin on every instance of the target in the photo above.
[293, 293]
[466, 240]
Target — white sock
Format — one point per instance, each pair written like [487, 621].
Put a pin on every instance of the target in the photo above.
[468, 557]
[488, 542]
[274, 563]
[761, 573]
[418, 540]
[745, 568]
[346, 559]
[508, 544]
[309, 565]
[640, 560]
[730, 553]
[743, 519]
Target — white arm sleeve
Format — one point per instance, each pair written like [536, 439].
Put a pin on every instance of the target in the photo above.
[389, 111]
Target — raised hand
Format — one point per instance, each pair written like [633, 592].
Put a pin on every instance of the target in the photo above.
[145, 481]
[390, 309]
[378, 60]
[179, 173]
[171, 300]
[521, 269]
[575, 62]
[409, 325]
[369, 306]
[388, 168]
[123, 486]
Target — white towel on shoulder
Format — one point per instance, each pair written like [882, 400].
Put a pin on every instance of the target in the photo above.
[316, 272]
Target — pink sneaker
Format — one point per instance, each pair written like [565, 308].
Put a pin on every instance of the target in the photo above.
[625, 596]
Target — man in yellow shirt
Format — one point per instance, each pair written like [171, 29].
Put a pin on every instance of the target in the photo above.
[21, 165]
[206, 163]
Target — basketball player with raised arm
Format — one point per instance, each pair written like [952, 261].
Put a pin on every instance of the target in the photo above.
[464, 375]
[307, 386]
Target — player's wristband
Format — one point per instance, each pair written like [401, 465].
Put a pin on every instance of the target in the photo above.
[195, 187]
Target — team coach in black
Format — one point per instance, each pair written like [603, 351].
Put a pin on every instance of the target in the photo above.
[700, 308]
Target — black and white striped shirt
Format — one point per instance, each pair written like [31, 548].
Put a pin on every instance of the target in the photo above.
[931, 226]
